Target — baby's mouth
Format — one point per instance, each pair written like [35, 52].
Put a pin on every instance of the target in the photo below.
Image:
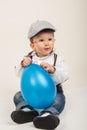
[46, 49]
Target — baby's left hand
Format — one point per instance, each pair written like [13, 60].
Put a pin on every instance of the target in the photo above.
[48, 67]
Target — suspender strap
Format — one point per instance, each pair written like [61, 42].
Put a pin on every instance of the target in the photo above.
[29, 54]
[55, 58]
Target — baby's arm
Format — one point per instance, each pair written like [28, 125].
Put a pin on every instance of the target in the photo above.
[48, 67]
[61, 73]
[26, 61]
[19, 67]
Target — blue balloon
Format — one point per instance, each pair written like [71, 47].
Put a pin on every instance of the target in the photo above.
[37, 87]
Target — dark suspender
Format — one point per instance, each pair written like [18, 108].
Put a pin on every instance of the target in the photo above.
[29, 54]
[55, 57]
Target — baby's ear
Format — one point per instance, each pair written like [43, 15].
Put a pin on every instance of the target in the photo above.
[32, 45]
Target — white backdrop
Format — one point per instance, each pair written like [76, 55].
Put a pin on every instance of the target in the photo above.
[70, 19]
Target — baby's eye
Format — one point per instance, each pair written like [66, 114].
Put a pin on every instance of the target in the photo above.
[41, 40]
[50, 39]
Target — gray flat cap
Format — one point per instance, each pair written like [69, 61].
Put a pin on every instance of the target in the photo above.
[38, 26]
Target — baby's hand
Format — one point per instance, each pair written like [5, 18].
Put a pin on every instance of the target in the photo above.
[48, 67]
[26, 61]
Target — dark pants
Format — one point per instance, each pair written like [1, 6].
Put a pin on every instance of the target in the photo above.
[56, 108]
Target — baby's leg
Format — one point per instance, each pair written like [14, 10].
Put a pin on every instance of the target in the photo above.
[23, 113]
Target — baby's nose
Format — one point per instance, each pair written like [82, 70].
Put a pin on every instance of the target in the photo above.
[46, 43]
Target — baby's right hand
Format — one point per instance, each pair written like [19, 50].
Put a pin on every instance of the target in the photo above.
[26, 61]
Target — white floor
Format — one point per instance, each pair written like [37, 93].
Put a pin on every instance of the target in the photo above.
[74, 116]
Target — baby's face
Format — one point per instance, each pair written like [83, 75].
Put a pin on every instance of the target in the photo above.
[43, 44]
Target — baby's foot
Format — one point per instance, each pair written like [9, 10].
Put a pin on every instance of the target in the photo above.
[46, 122]
[21, 117]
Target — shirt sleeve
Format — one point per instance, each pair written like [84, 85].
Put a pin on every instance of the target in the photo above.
[61, 73]
[18, 70]
[18, 67]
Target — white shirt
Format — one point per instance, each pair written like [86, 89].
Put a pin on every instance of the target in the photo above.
[61, 73]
